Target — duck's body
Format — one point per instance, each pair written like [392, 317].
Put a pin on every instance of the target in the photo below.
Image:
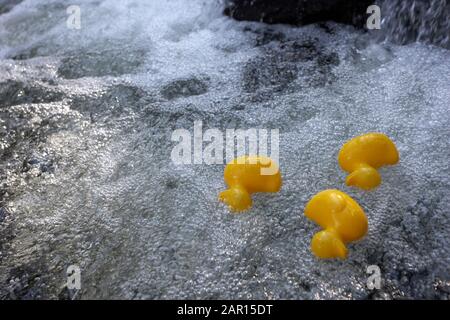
[342, 219]
[246, 175]
[363, 155]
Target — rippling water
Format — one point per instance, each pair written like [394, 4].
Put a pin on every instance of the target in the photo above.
[86, 118]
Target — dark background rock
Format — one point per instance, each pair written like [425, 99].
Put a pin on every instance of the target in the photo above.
[7, 5]
[299, 12]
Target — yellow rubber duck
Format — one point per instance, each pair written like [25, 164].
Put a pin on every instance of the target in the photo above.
[246, 175]
[363, 155]
[342, 218]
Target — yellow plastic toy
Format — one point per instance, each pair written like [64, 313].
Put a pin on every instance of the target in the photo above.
[246, 175]
[342, 218]
[363, 155]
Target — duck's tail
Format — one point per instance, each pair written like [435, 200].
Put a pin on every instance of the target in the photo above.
[365, 177]
[328, 244]
[237, 198]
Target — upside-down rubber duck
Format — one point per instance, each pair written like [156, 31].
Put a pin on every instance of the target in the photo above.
[363, 155]
[246, 175]
[342, 219]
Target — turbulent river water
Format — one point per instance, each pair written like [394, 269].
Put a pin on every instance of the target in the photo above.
[86, 117]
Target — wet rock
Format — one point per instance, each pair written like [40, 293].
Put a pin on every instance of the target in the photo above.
[277, 66]
[268, 71]
[162, 120]
[3, 214]
[69, 294]
[283, 62]
[113, 62]
[184, 88]
[299, 12]
[327, 27]
[15, 92]
[41, 164]
[7, 234]
[298, 51]
[171, 183]
[26, 283]
[331, 59]
[116, 101]
[7, 5]
[28, 53]
[266, 36]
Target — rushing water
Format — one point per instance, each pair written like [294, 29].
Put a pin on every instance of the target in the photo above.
[86, 118]
[426, 21]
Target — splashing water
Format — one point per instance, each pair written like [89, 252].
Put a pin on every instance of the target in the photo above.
[417, 20]
[86, 118]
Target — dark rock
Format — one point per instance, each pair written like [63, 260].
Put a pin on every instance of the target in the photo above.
[171, 183]
[268, 72]
[43, 165]
[328, 59]
[27, 53]
[15, 92]
[266, 36]
[69, 294]
[299, 12]
[277, 67]
[7, 5]
[115, 102]
[282, 63]
[4, 213]
[184, 88]
[114, 62]
[26, 283]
